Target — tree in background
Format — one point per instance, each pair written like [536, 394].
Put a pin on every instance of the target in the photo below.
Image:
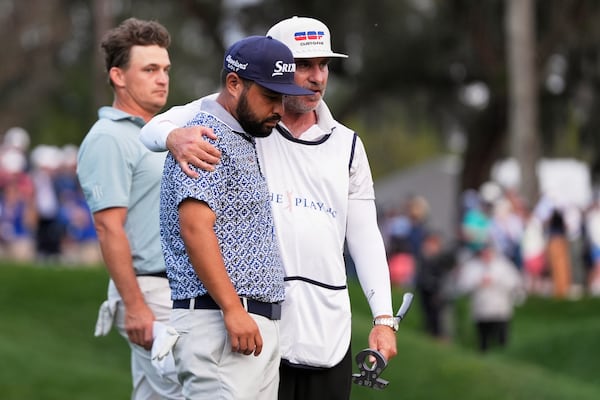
[522, 85]
[417, 68]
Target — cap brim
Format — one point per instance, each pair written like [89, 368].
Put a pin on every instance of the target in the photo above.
[319, 55]
[286, 88]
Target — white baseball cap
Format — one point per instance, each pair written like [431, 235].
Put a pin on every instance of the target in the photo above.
[306, 37]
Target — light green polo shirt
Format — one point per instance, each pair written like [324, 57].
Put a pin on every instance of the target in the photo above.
[116, 170]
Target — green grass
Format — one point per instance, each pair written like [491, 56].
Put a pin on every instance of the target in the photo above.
[553, 353]
[47, 347]
[48, 351]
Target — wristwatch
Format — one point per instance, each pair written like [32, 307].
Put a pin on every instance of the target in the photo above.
[392, 322]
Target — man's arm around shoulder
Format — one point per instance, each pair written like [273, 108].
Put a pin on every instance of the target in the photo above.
[188, 145]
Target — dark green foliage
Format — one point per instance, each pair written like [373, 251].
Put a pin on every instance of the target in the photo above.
[413, 55]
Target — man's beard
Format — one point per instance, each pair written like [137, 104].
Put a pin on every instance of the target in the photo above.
[303, 104]
[250, 122]
[297, 105]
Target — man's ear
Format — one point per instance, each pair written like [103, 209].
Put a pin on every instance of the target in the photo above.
[117, 76]
[234, 84]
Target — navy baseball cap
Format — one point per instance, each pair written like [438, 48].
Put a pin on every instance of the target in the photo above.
[266, 61]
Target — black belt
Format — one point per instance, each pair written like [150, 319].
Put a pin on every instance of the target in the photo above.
[162, 274]
[268, 310]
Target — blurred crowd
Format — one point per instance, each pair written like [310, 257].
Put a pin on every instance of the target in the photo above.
[43, 215]
[552, 245]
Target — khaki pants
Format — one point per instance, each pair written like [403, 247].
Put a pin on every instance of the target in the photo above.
[148, 384]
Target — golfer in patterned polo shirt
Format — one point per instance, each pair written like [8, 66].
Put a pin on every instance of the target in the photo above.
[218, 236]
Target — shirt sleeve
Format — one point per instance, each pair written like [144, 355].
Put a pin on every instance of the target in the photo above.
[104, 172]
[365, 244]
[154, 133]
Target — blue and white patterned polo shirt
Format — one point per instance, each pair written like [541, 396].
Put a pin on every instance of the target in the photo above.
[238, 194]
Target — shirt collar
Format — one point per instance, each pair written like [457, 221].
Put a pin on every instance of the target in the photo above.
[325, 120]
[115, 114]
[318, 132]
[211, 106]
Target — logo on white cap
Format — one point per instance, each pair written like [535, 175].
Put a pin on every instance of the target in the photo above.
[308, 35]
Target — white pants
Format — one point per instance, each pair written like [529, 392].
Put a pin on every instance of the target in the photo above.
[209, 369]
[148, 384]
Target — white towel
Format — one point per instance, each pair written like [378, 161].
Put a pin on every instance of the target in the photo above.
[165, 338]
[106, 317]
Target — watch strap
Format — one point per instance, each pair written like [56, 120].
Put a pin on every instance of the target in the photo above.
[391, 322]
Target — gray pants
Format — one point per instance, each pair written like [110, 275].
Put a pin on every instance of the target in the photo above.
[209, 369]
